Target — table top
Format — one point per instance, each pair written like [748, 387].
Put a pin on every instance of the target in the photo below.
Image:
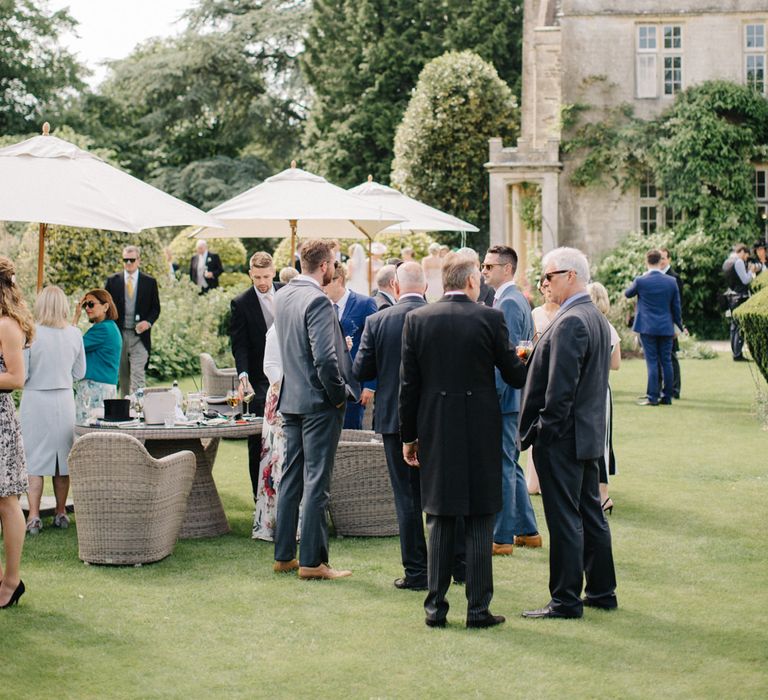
[179, 432]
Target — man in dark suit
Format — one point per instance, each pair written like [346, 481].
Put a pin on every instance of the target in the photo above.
[379, 358]
[658, 312]
[385, 287]
[516, 521]
[317, 380]
[563, 417]
[252, 315]
[450, 424]
[352, 309]
[205, 268]
[487, 292]
[666, 268]
[138, 308]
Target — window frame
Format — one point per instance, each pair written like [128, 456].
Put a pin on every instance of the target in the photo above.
[755, 54]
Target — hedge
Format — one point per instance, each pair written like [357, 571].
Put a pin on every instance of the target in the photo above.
[752, 317]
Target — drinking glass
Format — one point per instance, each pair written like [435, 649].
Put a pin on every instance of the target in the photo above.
[233, 399]
[524, 349]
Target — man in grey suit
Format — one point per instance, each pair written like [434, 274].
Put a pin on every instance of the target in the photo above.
[516, 521]
[317, 380]
[563, 417]
[379, 358]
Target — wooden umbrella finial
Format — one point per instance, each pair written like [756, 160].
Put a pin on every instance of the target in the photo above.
[370, 177]
[293, 163]
[46, 129]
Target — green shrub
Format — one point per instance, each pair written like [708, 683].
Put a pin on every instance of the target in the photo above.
[760, 282]
[230, 250]
[752, 317]
[189, 323]
[235, 280]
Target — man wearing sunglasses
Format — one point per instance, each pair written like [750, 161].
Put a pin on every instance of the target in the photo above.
[138, 308]
[563, 416]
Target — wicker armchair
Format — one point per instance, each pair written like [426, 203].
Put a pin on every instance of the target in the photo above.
[129, 506]
[216, 381]
[362, 503]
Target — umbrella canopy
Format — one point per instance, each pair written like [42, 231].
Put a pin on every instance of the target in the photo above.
[298, 202]
[52, 181]
[418, 216]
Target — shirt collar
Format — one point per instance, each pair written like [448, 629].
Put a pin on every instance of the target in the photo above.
[263, 294]
[497, 294]
[455, 294]
[575, 297]
[130, 275]
[411, 294]
[341, 303]
[307, 278]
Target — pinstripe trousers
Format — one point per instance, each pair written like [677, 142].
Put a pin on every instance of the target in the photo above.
[478, 537]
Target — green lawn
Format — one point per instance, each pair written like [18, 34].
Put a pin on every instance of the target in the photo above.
[214, 621]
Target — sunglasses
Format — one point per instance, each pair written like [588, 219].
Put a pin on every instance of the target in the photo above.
[129, 260]
[490, 266]
[549, 275]
[89, 304]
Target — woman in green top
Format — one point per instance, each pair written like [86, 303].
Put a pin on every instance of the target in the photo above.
[103, 345]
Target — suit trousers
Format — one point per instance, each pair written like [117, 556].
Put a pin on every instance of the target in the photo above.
[658, 351]
[580, 540]
[133, 361]
[311, 440]
[676, 381]
[516, 516]
[478, 540]
[406, 486]
[353, 418]
[256, 407]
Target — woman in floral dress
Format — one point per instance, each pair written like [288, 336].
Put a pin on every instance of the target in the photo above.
[16, 332]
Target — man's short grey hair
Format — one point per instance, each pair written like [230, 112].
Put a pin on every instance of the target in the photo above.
[470, 253]
[287, 274]
[200, 242]
[132, 249]
[568, 259]
[410, 275]
[385, 276]
[457, 269]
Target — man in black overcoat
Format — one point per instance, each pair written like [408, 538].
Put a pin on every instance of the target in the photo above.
[252, 315]
[563, 416]
[450, 424]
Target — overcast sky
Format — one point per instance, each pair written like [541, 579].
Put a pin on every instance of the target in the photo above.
[110, 29]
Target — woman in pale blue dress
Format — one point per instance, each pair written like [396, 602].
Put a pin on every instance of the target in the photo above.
[54, 361]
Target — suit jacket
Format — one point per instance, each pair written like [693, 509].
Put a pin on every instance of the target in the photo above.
[317, 371]
[448, 402]
[564, 395]
[147, 302]
[487, 293]
[356, 310]
[517, 315]
[212, 264]
[677, 279]
[378, 357]
[248, 332]
[382, 300]
[658, 304]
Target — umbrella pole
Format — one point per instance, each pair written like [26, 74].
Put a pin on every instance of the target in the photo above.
[292, 222]
[40, 255]
[370, 265]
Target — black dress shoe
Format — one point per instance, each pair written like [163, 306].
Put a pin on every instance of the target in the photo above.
[434, 622]
[605, 604]
[404, 584]
[487, 621]
[666, 401]
[547, 611]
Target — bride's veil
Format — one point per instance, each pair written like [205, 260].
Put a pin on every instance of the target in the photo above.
[358, 270]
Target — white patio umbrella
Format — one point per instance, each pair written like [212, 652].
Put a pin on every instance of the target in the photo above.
[418, 216]
[296, 202]
[52, 181]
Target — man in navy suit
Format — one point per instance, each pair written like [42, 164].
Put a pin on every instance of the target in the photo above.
[516, 521]
[205, 268]
[352, 309]
[379, 358]
[658, 312]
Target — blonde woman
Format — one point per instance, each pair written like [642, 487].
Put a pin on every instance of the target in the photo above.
[54, 361]
[432, 265]
[607, 462]
[16, 331]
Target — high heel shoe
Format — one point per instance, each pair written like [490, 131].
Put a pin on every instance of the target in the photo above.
[608, 506]
[16, 595]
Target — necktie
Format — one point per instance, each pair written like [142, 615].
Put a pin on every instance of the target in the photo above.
[268, 299]
[495, 301]
[268, 308]
[129, 286]
[336, 309]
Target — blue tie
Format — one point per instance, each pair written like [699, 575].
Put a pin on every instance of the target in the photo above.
[336, 309]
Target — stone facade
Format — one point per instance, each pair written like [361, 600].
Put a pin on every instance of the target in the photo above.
[604, 53]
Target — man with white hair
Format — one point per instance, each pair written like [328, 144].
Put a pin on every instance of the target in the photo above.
[563, 416]
[205, 268]
[385, 283]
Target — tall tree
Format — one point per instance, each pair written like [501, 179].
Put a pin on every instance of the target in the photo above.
[36, 72]
[363, 58]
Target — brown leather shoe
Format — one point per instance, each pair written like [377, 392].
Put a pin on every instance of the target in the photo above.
[528, 540]
[323, 572]
[502, 549]
[283, 567]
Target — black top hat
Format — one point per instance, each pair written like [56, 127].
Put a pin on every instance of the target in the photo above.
[117, 409]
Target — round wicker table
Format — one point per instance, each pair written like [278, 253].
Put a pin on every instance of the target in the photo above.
[205, 513]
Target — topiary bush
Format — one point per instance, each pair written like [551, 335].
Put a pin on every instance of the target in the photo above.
[230, 250]
[458, 103]
[189, 323]
[752, 317]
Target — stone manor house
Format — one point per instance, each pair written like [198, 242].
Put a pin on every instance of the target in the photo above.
[605, 53]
